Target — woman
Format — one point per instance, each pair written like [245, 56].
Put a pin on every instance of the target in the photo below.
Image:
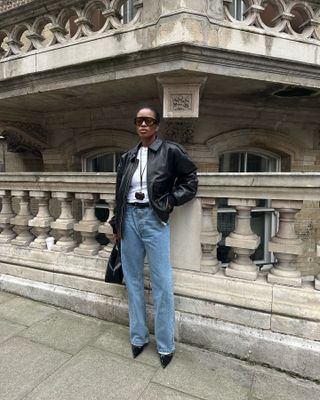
[152, 178]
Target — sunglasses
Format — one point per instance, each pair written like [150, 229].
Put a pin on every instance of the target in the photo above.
[138, 121]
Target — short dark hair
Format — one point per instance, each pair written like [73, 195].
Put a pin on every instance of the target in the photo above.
[154, 110]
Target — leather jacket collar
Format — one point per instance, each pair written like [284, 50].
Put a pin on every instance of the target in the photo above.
[155, 145]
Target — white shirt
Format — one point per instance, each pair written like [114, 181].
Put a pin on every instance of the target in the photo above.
[136, 185]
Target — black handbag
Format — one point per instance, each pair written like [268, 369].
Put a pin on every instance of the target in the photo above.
[114, 272]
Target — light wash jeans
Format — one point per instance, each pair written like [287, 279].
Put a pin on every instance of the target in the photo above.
[144, 234]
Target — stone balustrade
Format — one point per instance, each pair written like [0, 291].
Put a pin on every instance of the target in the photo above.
[287, 18]
[32, 26]
[257, 315]
[75, 232]
[54, 23]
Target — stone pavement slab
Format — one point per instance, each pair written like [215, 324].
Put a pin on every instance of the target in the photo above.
[25, 311]
[271, 385]
[197, 374]
[66, 331]
[8, 329]
[6, 296]
[116, 340]
[67, 356]
[24, 364]
[96, 375]
[158, 392]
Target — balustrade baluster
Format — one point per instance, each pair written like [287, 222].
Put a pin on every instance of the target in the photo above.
[64, 224]
[6, 215]
[88, 226]
[41, 222]
[209, 236]
[243, 241]
[317, 282]
[285, 245]
[106, 228]
[21, 220]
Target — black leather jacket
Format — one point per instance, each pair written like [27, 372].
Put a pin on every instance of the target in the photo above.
[171, 179]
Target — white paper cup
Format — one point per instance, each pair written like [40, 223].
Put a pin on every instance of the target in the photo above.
[50, 242]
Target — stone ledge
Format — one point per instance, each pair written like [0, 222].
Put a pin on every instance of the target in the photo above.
[204, 307]
[301, 302]
[297, 327]
[284, 352]
[255, 295]
[258, 296]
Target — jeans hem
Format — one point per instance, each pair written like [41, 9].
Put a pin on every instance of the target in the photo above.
[166, 351]
[140, 344]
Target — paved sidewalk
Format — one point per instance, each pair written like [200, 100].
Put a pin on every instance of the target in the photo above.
[47, 353]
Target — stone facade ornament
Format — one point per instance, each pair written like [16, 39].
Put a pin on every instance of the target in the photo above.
[210, 237]
[317, 282]
[294, 18]
[67, 21]
[181, 96]
[21, 220]
[243, 241]
[64, 224]
[106, 227]
[179, 131]
[88, 226]
[22, 136]
[41, 222]
[285, 245]
[6, 5]
[6, 215]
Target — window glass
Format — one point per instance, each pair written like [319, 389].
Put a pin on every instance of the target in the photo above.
[237, 9]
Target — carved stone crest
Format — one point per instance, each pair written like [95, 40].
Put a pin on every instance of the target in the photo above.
[181, 102]
[181, 95]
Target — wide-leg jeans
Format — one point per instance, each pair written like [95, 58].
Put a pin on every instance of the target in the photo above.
[144, 234]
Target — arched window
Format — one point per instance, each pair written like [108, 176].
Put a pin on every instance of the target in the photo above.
[101, 162]
[263, 220]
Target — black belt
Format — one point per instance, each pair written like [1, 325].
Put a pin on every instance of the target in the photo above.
[139, 205]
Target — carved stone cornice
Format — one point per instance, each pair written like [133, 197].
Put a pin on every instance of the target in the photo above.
[23, 136]
[179, 131]
[6, 5]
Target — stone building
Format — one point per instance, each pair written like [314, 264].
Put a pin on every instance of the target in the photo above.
[238, 85]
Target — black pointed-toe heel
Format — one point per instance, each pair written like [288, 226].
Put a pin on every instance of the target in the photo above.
[165, 359]
[136, 350]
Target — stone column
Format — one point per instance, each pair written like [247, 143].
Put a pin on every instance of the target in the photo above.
[41, 222]
[64, 224]
[209, 237]
[243, 241]
[21, 220]
[88, 226]
[285, 245]
[106, 228]
[6, 215]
